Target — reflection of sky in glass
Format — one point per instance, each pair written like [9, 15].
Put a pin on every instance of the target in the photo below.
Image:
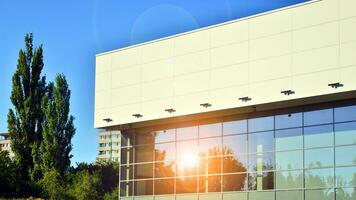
[318, 136]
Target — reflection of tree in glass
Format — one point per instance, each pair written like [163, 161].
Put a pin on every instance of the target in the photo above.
[266, 176]
[163, 169]
[346, 193]
[317, 180]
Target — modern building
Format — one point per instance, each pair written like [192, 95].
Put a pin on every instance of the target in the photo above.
[109, 146]
[260, 108]
[5, 142]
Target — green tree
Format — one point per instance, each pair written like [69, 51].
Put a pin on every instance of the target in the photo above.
[85, 186]
[8, 176]
[53, 185]
[58, 127]
[25, 119]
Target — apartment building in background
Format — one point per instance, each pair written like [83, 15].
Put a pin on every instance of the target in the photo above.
[109, 146]
[259, 108]
[5, 142]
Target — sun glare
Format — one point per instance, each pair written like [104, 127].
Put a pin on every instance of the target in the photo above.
[188, 160]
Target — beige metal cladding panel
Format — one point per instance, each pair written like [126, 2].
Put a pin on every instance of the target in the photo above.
[270, 46]
[126, 76]
[316, 36]
[316, 60]
[189, 104]
[123, 114]
[271, 24]
[191, 83]
[210, 196]
[315, 83]
[126, 58]
[235, 195]
[126, 95]
[102, 99]
[103, 63]
[156, 109]
[347, 30]
[168, 197]
[269, 91]
[271, 68]
[157, 70]
[228, 97]
[193, 42]
[315, 13]
[229, 33]
[191, 63]
[230, 54]
[103, 81]
[229, 76]
[261, 196]
[157, 89]
[347, 77]
[157, 50]
[347, 8]
[101, 114]
[187, 197]
[347, 53]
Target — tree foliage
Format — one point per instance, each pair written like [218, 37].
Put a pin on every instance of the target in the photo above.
[8, 176]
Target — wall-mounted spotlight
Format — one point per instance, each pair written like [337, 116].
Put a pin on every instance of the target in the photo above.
[335, 85]
[245, 99]
[138, 115]
[206, 105]
[107, 120]
[170, 110]
[288, 92]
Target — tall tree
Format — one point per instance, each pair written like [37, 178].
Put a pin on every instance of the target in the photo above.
[58, 127]
[25, 119]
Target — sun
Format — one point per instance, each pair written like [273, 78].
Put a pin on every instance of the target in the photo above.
[188, 160]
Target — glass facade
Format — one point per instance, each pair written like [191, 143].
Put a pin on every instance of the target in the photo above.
[305, 155]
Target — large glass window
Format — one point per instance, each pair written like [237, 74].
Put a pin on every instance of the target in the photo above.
[344, 114]
[261, 142]
[289, 139]
[187, 133]
[289, 160]
[289, 179]
[235, 127]
[318, 136]
[210, 147]
[261, 124]
[165, 136]
[345, 133]
[235, 182]
[210, 130]
[345, 176]
[345, 155]
[235, 144]
[319, 178]
[289, 120]
[317, 158]
[318, 117]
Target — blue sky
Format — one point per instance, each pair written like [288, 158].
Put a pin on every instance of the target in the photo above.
[72, 32]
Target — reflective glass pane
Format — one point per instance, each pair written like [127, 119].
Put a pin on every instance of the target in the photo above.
[345, 133]
[235, 182]
[210, 147]
[289, 120]
[235, 196]
[144, 153]
[319, 178]
[261, 162]
[318, 136]
[187, 133]
[317, 158]
[261, 142]
[126, 172]
[144, 138]
[233, 164]
[289, 160]
[235, 127]
[126, 155]
[318, 117]
[289, 139]
[165, 135]
[261, 181]
[186, 185]
[210, 166]
[343, 114]
[235, 144]
[290, 195]
[345, 193]
[289, 179]
[210, 130]
[165, 152]
[209, 183]
[164, 186]
[126, 188]
[345, 155]
[127, 139]
[143, 187]
[187, 158]
[345, 176]
[143, 171]
[163, 170]
[261, 124]
[327, 194]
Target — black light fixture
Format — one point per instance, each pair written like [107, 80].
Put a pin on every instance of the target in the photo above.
[288, 92]
[137, 115]
[170, 110]
[335, 85]
[205, 105]
[245, 99]
[107, 120]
